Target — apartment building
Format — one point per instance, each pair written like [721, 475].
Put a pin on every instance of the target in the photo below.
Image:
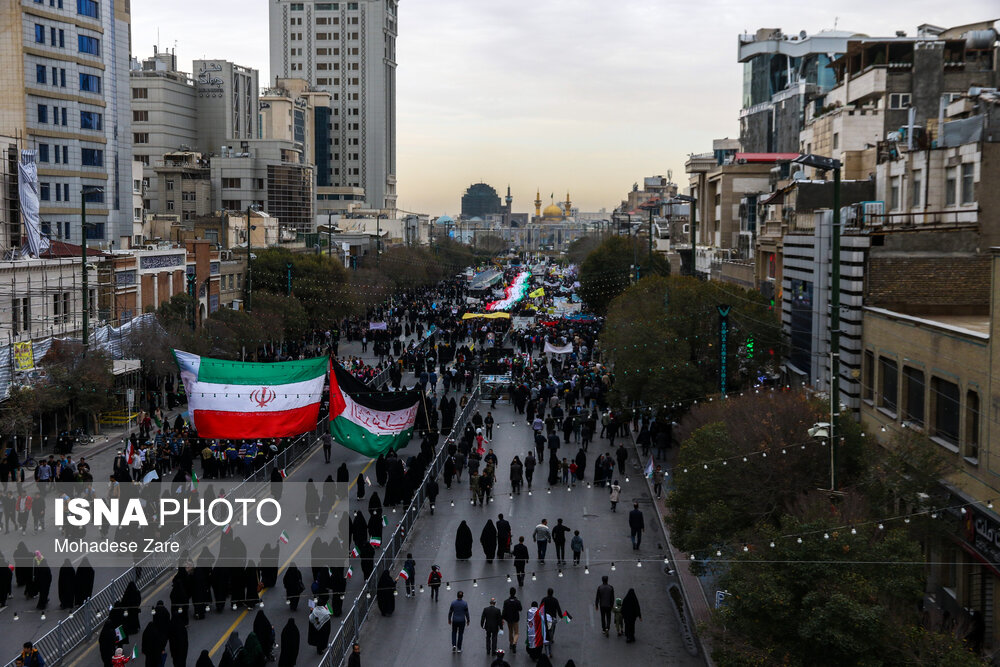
[64, 67]
[347, 49]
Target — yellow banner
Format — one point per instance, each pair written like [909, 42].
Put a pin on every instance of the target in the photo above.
[537, 293]
[24, 357]
[487, 316]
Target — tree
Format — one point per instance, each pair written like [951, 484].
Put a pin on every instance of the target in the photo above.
[608, 270]
[581, 247]
[489, 245]
[319, 282]
[281, 316]
[77, 383]
[452, 255]
[17, 412]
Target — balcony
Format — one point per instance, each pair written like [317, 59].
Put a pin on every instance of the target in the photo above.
[918, 221]
[869, 84]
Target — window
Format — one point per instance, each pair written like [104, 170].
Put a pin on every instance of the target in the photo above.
[140, 93]
[136, 214]
[140, 116]
[62, 114]
[62, 39]
[90, 83]
[889, 382]
[95, 232]
[231, 204]
[913, 385]
[945, 397]
[90, 45]
[43, 152]
[296, 6]
[230, 182]
[972, 425]
[169, 184]
[868, 370]
[43, 113]
[894, 185]
[951, 187]
[968, 185]
[170, 205]
[899, 100]
[89, 8]
[259, 183]
[21, 314]
[140, 138]
[44, 191]
[91, 157]
[916, 189]
[62, 80]
[90, 120]
[39, 33]
[52, 36]
[40, 74]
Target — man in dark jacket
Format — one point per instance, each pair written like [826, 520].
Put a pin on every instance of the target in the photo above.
[520, 553]
[559, 539]
[605, 602]
[636, 525]
[512, 615]
[503, 537]
[553, 609]
[492, 622]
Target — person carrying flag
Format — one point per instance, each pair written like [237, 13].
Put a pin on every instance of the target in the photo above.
[536, 626]
[408, 572]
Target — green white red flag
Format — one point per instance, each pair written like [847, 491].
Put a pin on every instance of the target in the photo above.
[369, 422]
[236, 400]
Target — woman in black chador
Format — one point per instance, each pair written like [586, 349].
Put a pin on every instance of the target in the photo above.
[386, 594]
[463, 542]
[488, 540]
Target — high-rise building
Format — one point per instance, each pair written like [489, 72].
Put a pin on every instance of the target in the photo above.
[480, 200]
[163, 116]
[225, 103]
[349, 50]
[64, 73]
[781, 74]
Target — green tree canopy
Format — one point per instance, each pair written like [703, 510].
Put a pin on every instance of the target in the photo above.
[608, 270]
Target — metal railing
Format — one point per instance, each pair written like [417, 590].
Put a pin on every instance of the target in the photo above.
[56, 644]
[350, 626]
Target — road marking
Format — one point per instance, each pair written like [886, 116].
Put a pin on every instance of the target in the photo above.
[158, 589]
[236, 623]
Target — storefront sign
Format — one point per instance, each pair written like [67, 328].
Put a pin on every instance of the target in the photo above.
[24, 357]
[982, 532]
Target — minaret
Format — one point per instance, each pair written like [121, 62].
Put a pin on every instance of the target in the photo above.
[567, 205]
[538, 203]
[508, 199]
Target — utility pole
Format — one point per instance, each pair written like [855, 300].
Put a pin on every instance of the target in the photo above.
[329, 234]
[288, 270]
[378, 240]
[84, 191]
[650, 266]
[249, 280]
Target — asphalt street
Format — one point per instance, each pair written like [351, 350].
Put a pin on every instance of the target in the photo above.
[417, 632]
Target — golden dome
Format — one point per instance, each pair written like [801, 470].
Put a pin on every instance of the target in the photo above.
[552, 211]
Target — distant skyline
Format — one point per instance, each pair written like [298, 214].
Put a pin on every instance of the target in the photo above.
[578, 95]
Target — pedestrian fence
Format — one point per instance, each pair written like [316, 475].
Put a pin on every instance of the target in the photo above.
[77, 628]
[354, 618]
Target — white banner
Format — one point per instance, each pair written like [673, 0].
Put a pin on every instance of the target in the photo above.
[552, 349]
[27, 186]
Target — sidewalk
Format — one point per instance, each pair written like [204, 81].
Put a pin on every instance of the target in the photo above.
[694, 593]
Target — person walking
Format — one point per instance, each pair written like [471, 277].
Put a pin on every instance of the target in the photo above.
[636, 525]
[630, 613]
[658, 482]
[576, 546]
[559, 539]
[488, 424]
[458, 618]
[542, 536]
[605, 602]
[327, 446]
[503, 536]
[622, 455]
[492, 622]
[355, 659]
[434, 582]
[552, 607]
[511, 613]
[529, 469]
[615, 495]
[520, 553]
[410, 567]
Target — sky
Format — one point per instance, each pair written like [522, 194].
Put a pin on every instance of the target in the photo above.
[584, 96]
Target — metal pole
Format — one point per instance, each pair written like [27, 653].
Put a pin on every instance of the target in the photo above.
[650, 266]
[329, 234]
[693, 206]
[249, 263]
[288, 269]
[835, 328]
[378, 239]
[83, 268]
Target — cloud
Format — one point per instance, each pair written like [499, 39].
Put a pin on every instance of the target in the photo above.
[583, 95]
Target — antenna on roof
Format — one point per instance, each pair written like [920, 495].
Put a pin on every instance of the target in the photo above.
[835, 20]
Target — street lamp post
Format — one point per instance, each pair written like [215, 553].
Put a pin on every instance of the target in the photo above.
[329, 234]
[824, 163]
[84, 191]
[378, 238]
[250, 229]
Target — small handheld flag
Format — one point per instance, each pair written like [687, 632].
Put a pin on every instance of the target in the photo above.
[368, 480]
[375, 542]
[120, 633]
[567, 617]
[385, 522]
[282, 473]
[403, 575]
[194, 481]
[135, 652]
[354, 552]
[283, 538]
[227, 529]
[350, 572]
[649, 467]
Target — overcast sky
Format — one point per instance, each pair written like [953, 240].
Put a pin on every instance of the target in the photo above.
[581, 95]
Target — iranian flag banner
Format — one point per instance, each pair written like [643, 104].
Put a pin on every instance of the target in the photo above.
[369, 422]
[236, 400]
